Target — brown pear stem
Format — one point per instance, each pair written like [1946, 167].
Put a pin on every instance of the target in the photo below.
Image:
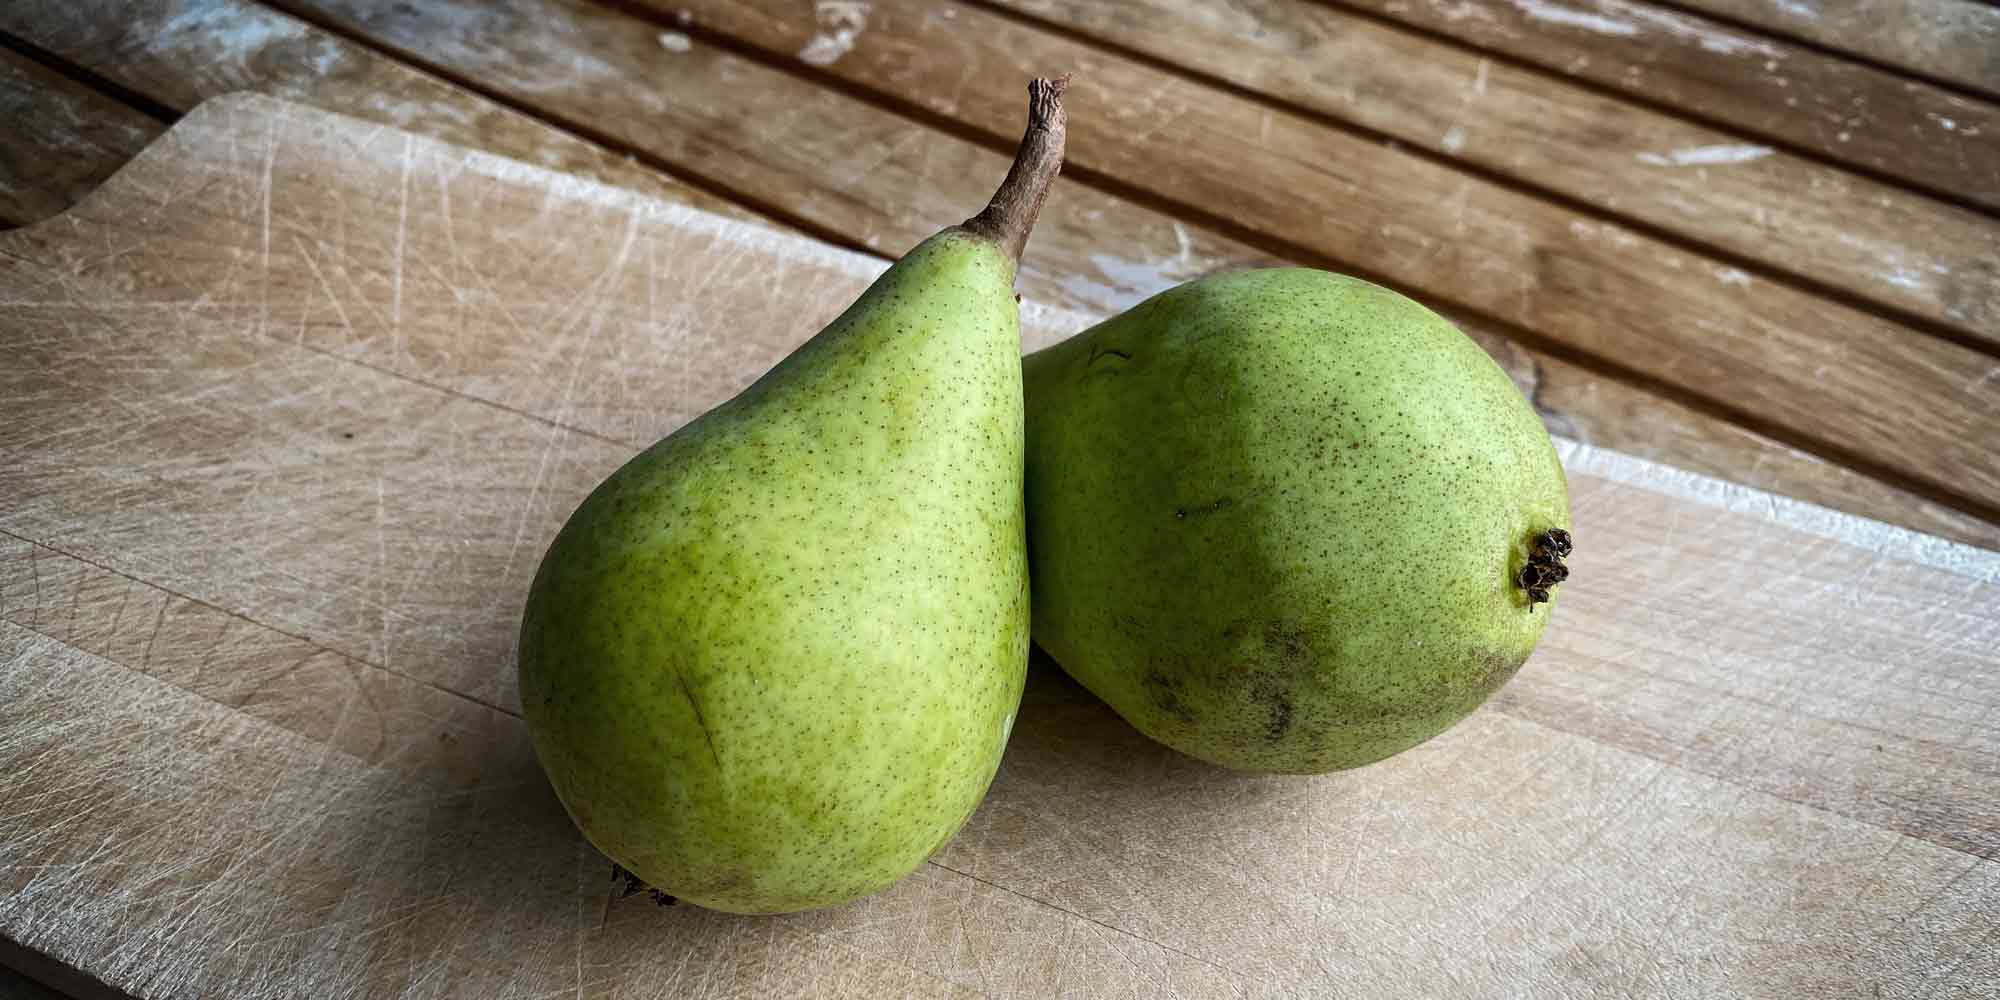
[1011, 214]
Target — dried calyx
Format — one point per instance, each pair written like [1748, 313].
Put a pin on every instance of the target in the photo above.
[1545, 568]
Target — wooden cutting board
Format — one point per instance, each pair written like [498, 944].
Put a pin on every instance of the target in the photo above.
[290, 407]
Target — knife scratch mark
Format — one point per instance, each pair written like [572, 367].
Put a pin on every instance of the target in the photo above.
[402, 232]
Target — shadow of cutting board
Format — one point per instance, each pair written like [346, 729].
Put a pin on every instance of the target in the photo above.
[289, 409]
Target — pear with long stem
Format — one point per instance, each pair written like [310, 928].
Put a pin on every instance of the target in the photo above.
[772, 662]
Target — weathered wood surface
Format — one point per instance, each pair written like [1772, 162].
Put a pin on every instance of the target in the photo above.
[1950, 41]
[1587, 406]
[66, 139]
[874, 179]
[1769, 209]
[279, 467]
[179, 53]
[1852, 383]
[1851, 113]
[602, 74]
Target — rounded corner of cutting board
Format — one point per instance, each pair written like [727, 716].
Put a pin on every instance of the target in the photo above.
[221, 113]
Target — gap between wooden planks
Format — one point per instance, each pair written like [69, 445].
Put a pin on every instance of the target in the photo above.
[64, 138]
[1949, 42]
[180, 52]
[149, 48]
[1785, 94]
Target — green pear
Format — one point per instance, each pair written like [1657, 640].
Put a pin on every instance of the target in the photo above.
[1284, 520]
[771, 663]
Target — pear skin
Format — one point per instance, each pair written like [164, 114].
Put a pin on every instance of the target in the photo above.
[772, 662]
[1284, 520]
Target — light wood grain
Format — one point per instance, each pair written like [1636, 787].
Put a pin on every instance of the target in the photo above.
[181, 52]
[1766, 87]
[1947, 40]
[1865, 389]
[63, 139]
[1789, 214]
[257, 683]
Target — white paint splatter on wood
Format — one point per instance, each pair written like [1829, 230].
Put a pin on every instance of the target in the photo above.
[1464, 9]
[1626, 20]
[1703, 156]
[1711, 37]
[674, 41]
[840, 23]
[1549, 13]
[228, 37]
[1128, 282]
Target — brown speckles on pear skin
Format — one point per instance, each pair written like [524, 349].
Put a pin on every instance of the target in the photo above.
[768, 665]
[1281, 527]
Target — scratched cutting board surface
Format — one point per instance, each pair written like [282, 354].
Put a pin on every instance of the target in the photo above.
[290, 407]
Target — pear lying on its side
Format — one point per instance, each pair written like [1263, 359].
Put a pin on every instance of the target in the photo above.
[772, 662]
[1284, 520]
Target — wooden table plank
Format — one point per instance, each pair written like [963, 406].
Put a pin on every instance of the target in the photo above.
[1729, 770]
[1774, 91]
[1774, 210]
[181, 52]
[842, 165]
[1952, 41]
[63, 139]
[1868, 392]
